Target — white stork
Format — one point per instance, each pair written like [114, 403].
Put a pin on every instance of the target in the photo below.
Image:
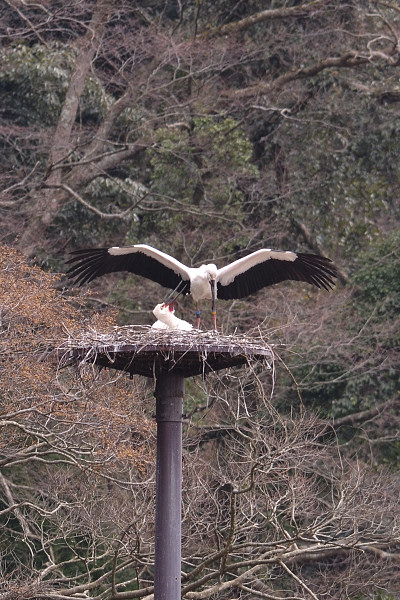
[164, 312]
[236, 280]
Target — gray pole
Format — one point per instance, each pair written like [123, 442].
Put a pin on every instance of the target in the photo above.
[170, 390]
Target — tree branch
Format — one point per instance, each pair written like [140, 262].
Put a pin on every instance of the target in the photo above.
[87, 45]
[121, 215]
[262, 17]
[349, 60]
[362, 416]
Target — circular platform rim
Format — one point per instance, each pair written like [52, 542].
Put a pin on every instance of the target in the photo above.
[154, 352]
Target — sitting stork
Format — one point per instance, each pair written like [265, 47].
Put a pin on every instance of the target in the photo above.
[165, 313]
[236, 280]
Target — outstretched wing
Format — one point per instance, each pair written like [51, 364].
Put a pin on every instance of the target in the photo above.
[266, 267]
[139, 259]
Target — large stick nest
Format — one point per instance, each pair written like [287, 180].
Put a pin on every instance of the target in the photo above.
[142, 350]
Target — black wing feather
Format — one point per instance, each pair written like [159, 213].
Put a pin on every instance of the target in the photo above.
[92, 263]
[310, 268]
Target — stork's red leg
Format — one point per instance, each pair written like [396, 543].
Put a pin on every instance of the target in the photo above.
[213, 308]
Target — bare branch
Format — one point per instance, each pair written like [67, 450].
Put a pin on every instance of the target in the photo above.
[264, 16]
[121, 215]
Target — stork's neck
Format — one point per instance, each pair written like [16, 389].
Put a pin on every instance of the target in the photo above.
[200, 281]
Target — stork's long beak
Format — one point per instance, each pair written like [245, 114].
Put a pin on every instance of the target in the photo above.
[172, 296]
[213, 292]
[213, 298]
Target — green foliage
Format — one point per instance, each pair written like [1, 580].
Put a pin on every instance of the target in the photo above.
[198, 169]
[378, 280]
[34, 81]
[343, 166]
[202, 163]
[173, 170]
[129, 123]
[226, 141]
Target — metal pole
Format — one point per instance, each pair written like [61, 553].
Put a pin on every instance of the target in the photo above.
[170, 390]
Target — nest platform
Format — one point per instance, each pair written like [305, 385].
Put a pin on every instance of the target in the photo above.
[142, 350]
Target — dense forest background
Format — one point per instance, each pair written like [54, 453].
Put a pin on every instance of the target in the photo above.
[208, 130]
